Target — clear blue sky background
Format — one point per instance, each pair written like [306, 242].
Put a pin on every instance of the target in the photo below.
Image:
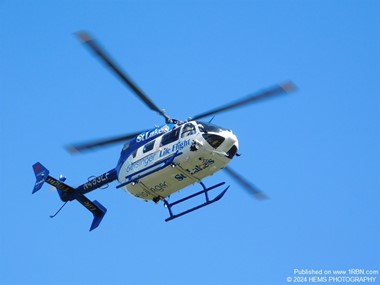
[316, 152]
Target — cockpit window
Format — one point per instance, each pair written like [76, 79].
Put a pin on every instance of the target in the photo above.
[231, 153]
[188, 130]
[214, 140]
[208, 127]
[170, 137]
[148, 147]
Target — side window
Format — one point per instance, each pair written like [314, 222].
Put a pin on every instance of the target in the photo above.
[134, 153]
[148, 147]
[170, 137]
[187, 130]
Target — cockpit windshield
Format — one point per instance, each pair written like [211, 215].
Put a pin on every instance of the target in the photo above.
[208, 127]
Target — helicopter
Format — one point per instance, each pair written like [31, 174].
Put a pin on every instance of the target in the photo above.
[156, 163]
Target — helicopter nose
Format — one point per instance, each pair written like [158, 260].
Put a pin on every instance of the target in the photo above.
[223, 142]
[230, 145]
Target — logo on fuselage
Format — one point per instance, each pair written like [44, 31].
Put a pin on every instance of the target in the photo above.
[175, 147]
[141, 163]
[150, 134]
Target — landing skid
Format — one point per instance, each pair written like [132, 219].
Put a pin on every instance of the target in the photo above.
[208, 201]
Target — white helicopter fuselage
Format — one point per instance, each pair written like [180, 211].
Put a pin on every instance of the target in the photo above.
[157, 163]
[175, 159]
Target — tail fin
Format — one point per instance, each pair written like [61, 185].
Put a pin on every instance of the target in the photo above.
[41, 174]
[68, 193]
[97, 209]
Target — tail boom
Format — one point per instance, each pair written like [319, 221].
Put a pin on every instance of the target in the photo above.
[68, 193]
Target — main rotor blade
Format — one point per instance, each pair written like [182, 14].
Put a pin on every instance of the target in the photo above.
[97, 50]
[283, 88]
[77, 148]
[246, 184]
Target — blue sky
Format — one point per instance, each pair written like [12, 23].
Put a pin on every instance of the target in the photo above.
[316, 152]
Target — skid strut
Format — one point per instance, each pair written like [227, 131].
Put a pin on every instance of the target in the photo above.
[207, 202]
